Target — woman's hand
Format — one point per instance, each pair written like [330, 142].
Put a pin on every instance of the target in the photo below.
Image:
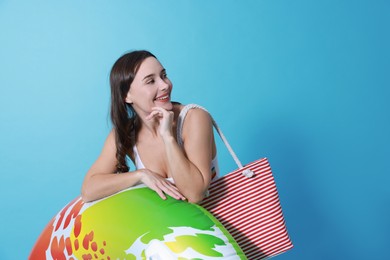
[165, 119]
[160, 185]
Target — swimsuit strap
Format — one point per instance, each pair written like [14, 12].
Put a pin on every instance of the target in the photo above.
[180, 121]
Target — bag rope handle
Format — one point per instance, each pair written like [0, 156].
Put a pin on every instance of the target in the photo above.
[180, 121]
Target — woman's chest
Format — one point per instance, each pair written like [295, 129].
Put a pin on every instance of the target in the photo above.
[154, 158]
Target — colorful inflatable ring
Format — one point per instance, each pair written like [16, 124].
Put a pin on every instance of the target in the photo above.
[135, 224]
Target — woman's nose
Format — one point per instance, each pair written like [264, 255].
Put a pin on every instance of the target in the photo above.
[163, 85]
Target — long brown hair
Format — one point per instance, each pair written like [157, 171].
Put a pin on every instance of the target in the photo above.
[124, 119]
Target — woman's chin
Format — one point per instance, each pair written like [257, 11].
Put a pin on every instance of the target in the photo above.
[166, 105]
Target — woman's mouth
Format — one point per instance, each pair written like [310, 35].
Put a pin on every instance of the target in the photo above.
[164, 98]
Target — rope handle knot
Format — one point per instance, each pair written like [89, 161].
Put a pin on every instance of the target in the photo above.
[248, 173]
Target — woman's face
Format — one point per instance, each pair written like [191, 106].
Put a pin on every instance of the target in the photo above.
[150, 88]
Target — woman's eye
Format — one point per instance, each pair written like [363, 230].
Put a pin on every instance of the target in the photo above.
[150, 81]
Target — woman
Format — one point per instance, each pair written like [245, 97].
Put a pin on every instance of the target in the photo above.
[145, 127]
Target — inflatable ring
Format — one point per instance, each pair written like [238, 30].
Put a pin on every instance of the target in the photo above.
[135, 224]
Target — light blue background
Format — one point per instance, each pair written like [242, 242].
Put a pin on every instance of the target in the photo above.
[304, 83]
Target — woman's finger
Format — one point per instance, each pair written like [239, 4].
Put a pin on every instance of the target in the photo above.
[153, 114]
[161, 186]
[160, 193]
[172, 190]
[159, 109]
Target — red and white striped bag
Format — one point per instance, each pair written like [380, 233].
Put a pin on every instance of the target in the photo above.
[250, 210]
[246, 202]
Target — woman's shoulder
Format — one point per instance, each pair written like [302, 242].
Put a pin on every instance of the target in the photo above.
[196, 118]
[197, 114]
[192, 113]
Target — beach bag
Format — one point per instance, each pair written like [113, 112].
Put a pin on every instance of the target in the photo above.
[246, 202]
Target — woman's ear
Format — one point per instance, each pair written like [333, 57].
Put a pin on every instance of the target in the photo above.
[128, 98]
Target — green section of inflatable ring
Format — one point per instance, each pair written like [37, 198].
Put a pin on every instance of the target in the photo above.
[131, 220]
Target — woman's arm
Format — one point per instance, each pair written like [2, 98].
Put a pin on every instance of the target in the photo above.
[190, 169]
[101, 181]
